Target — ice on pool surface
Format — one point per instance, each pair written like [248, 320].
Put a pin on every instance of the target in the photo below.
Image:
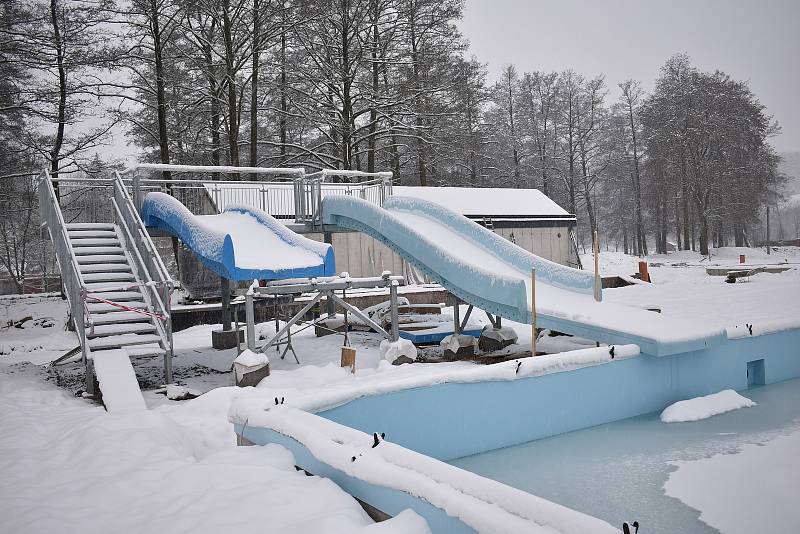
[618, 471]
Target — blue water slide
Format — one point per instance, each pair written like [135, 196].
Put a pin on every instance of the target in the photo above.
[493, 274]
[242, 243]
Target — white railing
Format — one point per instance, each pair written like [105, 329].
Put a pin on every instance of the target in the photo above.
[296, 195]
[312, 188]
[71, 278]
[156, 285]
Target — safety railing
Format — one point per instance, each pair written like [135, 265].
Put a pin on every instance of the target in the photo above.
[156, 285]
[294, 195]
[71, 278]
[312, 188]
[204, 196]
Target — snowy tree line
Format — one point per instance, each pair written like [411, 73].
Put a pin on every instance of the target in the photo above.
[373, 85]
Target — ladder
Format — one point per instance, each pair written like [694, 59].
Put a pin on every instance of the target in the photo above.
[118, 290]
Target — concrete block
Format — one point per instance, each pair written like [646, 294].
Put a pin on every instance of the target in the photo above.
[225, 339]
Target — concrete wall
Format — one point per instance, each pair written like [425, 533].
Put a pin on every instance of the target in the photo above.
[453, 420]
[361, 255]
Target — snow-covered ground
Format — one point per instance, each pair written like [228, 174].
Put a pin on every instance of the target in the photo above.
[65, 462]
[68, 466]
[681, 287]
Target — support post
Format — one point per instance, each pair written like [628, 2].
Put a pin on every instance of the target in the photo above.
[465, 320]
[393, 303]
[456, 318]
[598, 288]
[533, 312]
[250, 317]
[225, 288]
[137, 190]
[329, 302]
[236, 327]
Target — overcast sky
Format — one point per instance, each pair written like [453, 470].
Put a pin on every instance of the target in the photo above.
[755, 40]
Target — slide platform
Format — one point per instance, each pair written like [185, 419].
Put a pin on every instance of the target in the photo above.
[242, 243]
[491, 273]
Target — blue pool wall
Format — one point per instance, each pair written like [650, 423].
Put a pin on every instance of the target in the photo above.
[385, 499]
[452, 420]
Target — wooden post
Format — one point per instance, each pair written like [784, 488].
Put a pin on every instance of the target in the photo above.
[598, 288]
[533, 312]
[349, 358]
[644, 274]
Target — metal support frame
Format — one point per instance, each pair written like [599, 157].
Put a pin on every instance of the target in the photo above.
[250, 316]
[225, 289]
[326, 288]
[495, 320]
[466, 317]
[456, 318]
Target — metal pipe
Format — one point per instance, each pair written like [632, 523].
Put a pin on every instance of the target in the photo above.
[393, 304]
[250, 316]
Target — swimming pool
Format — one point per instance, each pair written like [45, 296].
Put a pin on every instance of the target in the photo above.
[617, 471]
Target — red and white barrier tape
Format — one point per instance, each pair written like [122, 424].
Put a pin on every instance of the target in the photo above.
[126, 308]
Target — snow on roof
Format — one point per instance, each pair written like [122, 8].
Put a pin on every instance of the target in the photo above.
[277, 199]
[487, 201]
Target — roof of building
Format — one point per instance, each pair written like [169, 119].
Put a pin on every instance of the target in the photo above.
[494, 202]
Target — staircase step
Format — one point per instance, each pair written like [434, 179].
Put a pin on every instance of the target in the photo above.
[102, 258]
[101, 308]
[87, 251]
[123, 340]
[108, 287]
[108, 277]
[105, 268]
[118, 316]
[122, 328]
[94, 242]
[87, 234]
[145, 351]
[123, 297]
[90, 226]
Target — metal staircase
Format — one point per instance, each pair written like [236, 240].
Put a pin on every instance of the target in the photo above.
[116, 283]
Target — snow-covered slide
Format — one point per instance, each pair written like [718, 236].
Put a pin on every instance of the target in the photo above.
[242, 243]
[494, 274]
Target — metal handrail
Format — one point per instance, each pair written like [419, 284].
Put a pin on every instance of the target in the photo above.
[146, 240]
[294, 171]
[307, 195]
[149, 266]
[72, 279]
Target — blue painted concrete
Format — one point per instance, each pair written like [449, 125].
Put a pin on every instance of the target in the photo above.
[448, 421]
[388, 500]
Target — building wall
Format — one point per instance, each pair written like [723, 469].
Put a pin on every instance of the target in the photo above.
[361, 255]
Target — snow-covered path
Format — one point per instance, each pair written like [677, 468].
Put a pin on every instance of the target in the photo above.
[67, 466]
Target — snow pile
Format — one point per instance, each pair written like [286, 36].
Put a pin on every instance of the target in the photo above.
[178, 392]
[704, 407]
[459, 345]
[249, 358]
[391, 350]
[72, 467]
[502, 334]
[316, 389]
[754, 490]
[483, 504]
